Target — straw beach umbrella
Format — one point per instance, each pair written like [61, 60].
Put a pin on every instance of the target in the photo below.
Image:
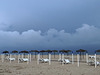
[4, 53]
[62, 54]
[42, 51]
[80, 52]
[24, 52]
[62, 50]
[48, 51]
[54, 52]
[49, 55]
[67, 51]
[36, 51]
[14, 51]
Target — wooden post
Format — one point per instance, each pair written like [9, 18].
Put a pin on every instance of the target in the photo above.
[78, 59]
[72, 58]
[95, 60]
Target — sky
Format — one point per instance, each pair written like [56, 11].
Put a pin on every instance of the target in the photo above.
[49, 24]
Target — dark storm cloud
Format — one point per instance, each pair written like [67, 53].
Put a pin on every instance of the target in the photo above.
[52, 39]
[42, 14]
[49, 24]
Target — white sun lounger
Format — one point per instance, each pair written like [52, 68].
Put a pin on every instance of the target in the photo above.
[66, 61]
[91, 56]
[11, 59]
[92, 62]
[44, 60]
[24, 59]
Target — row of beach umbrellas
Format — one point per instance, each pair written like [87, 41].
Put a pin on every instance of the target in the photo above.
[80, 51]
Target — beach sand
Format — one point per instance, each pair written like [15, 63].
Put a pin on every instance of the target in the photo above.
[56, 68]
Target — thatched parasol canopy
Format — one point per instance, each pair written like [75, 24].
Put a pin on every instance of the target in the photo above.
[34, 51]
[98, 50]
[5, 52]
[48, 51]
[24, 51]
[42, 51]
[14, 51]
[62, 50]
[81, 51]
[54, 52]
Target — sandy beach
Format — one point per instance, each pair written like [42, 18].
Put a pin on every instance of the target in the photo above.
[56, 68]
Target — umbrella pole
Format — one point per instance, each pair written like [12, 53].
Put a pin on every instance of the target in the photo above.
[22, 55]
[83, 55]
[78, 60]
[59, 56]
[18, 58]
[35, 54]
[80, 55]
[72, 58]
[42, 54]
[38, 58]
[54, 54]
[49, 58]
[95, 61]
[87, 58]
[30, 57]
[62, 58]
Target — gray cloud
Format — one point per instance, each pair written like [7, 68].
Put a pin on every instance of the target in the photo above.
[52, 39]
[43, 15]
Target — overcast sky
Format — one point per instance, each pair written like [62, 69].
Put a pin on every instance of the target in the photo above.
[49, 24]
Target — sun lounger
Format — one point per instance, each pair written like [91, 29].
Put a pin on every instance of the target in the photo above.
[24, 59]
[66, 61]
[44, 60]
[11, 59]
[92, 62]
[91, 56]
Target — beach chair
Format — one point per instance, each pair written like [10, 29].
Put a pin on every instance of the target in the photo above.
[44, 60]
[66, 61]
[92, 62]
[91, 56]
[24, 59]
[10, 59]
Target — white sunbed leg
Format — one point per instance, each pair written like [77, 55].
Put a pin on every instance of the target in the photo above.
[72, 59]
[95, 61]
[49, 58]
[78, 60]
